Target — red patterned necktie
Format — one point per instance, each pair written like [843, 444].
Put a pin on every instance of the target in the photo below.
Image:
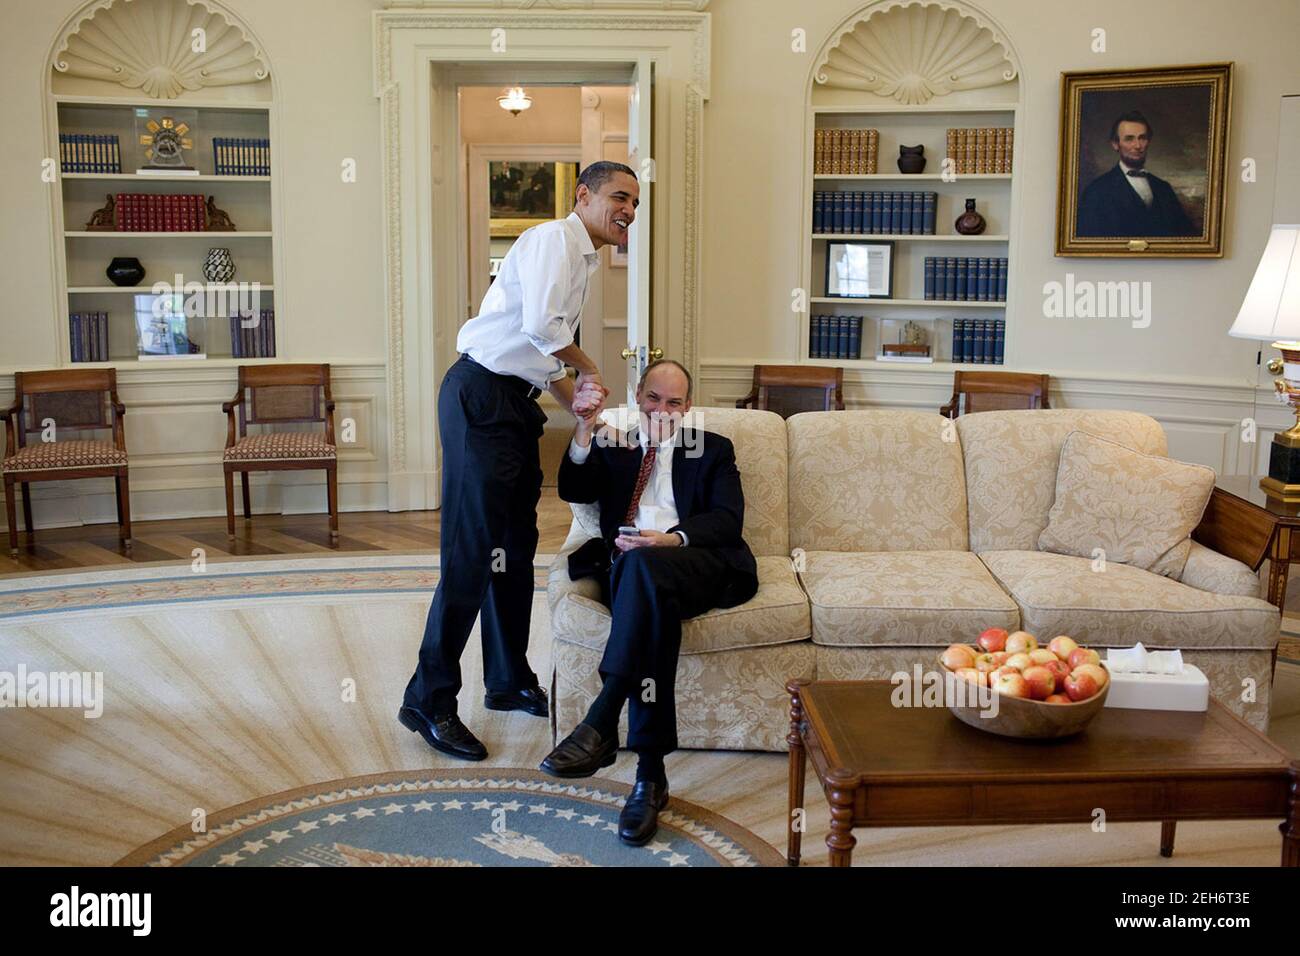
[647, 463]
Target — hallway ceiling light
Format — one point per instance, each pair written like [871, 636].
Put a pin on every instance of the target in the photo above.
[515, 100]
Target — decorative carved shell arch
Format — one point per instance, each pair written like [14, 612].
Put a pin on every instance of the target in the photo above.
[163, 48]
[912, 51]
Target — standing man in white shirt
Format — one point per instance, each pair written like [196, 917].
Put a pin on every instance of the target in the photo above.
[489, 423]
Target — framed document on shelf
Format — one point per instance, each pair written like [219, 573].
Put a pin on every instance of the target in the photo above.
[860, 270]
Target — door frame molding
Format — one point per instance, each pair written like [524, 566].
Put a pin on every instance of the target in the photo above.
[414, 50]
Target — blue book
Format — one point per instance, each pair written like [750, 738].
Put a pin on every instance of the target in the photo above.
[1002, 280]
[814, 327]
[918, 213]
[968, 341]
[999, 340]
[946, 279]
[929, 205]
[982, 280]
[824, 338]
[979, 341]
[972, 280]
[74, 334]
[956, 340]
[101, 152]
[855, 221]
[837, 212]
[270, 334]
[895, 213]
[960, 289]
[855, 338]
[817, 211]
[875, 229]
[905, 214]
[929, 277]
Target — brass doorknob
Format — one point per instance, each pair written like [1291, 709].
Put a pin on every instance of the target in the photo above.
[628, 353]
[656, 354]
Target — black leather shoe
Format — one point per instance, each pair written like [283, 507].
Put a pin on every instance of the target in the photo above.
[443, 732]
[639, 821]
[581, 753]
[531, 700]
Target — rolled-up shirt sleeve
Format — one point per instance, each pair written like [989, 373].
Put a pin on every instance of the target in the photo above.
[578, 453]
[545, 281]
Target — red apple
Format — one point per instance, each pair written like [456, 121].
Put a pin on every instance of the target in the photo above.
[1083, 655]
[1058, 699]
[970, 674]
[1081, 686]
[1000, 657]
[994, 639]
[1062, 646]
[958, 656]
[1019, 661]
[1012, 684]
[1021, 641]
[1041, 682]
[1096, 670]
[1060, 670]
[1042, 656]
[984, 663]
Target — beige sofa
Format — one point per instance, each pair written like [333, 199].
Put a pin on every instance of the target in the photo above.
[884, 536]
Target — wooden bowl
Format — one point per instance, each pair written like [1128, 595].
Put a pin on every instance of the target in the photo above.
[1022, 717]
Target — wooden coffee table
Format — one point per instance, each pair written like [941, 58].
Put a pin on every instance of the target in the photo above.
[886, 766]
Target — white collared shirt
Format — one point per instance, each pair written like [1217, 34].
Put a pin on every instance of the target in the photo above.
[533, 305]
[1140, 184]
[657, 509]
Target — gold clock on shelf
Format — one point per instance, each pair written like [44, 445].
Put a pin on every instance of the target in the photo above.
[165, 140]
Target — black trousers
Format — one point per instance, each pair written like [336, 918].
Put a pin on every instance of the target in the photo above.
[491, 483]
[649, 592]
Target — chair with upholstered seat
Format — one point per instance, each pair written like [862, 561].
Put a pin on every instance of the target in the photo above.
[274, 395]
[985, 391]
[53, 404]
[790, 389]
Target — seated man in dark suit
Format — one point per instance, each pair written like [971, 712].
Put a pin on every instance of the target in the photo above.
[680, 487]
[1128, 200]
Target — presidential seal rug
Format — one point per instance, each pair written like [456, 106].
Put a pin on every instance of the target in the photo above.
[505, 817]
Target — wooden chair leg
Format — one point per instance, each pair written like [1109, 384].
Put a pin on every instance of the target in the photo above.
[27, 510]
[248, 506]
[117, 491]
[124, 527]
[230, 505]
[332, 488]
[11, 515]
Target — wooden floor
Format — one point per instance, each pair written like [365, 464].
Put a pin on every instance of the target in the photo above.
[91, 546]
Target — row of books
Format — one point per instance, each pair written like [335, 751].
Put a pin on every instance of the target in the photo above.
[984, 149]
[874, 213]
[965, 279]
[150, 212]
[845, 152]
[835, 336]
[88, 333]
[89, 153]
[256, 341]
[241, 157]
[979, 341]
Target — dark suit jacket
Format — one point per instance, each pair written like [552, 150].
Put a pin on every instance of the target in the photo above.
[1110, 207]
[706, 490]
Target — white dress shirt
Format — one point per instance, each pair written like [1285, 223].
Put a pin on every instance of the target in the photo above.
[1140, 184]
[657, 509]
[533, 305]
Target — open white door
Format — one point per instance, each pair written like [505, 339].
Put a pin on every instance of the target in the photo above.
[638, 249]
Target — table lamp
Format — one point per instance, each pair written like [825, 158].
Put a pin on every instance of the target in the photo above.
[1271, 312]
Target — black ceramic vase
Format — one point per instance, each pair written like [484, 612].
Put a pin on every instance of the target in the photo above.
[125, 271]
[911, 159]
[969, 223]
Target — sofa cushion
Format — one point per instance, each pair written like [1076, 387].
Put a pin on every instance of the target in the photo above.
[1135, 509]
[1011, 460]
[1118, 605]
[777, 614]
[876, 481]
[928, 598]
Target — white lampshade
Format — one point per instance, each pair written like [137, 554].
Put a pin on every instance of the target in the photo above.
[1271, 309]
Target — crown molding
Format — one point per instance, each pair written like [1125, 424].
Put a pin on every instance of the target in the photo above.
[696, 6]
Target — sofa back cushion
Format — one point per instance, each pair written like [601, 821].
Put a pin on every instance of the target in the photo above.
[876, 481]
[1011, 463]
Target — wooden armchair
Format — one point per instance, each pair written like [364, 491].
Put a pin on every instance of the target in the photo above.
[278, 395]
[985, 391]
[52, 404]
[790, 389]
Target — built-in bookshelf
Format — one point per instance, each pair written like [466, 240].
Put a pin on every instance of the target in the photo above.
[842, 99]
[238, 121]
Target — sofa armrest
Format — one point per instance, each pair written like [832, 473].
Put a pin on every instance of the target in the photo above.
[1208, 570]
[558, 583]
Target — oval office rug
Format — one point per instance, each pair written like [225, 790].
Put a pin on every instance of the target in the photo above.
[505, 817]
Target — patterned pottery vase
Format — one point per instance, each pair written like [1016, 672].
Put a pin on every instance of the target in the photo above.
[969, 223]
[911, 159]
[125, 271]
[219, 266]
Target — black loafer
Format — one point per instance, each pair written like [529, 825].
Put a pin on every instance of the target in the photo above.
[443, 732]
[531, 700]
[581, 753]
[639, 821]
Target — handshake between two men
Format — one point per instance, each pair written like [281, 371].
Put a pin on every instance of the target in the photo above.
[670, 548]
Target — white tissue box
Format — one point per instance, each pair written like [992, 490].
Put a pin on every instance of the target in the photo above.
[1189, 690]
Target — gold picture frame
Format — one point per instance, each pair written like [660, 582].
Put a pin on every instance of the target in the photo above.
[1174, 120]
[566, 178]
